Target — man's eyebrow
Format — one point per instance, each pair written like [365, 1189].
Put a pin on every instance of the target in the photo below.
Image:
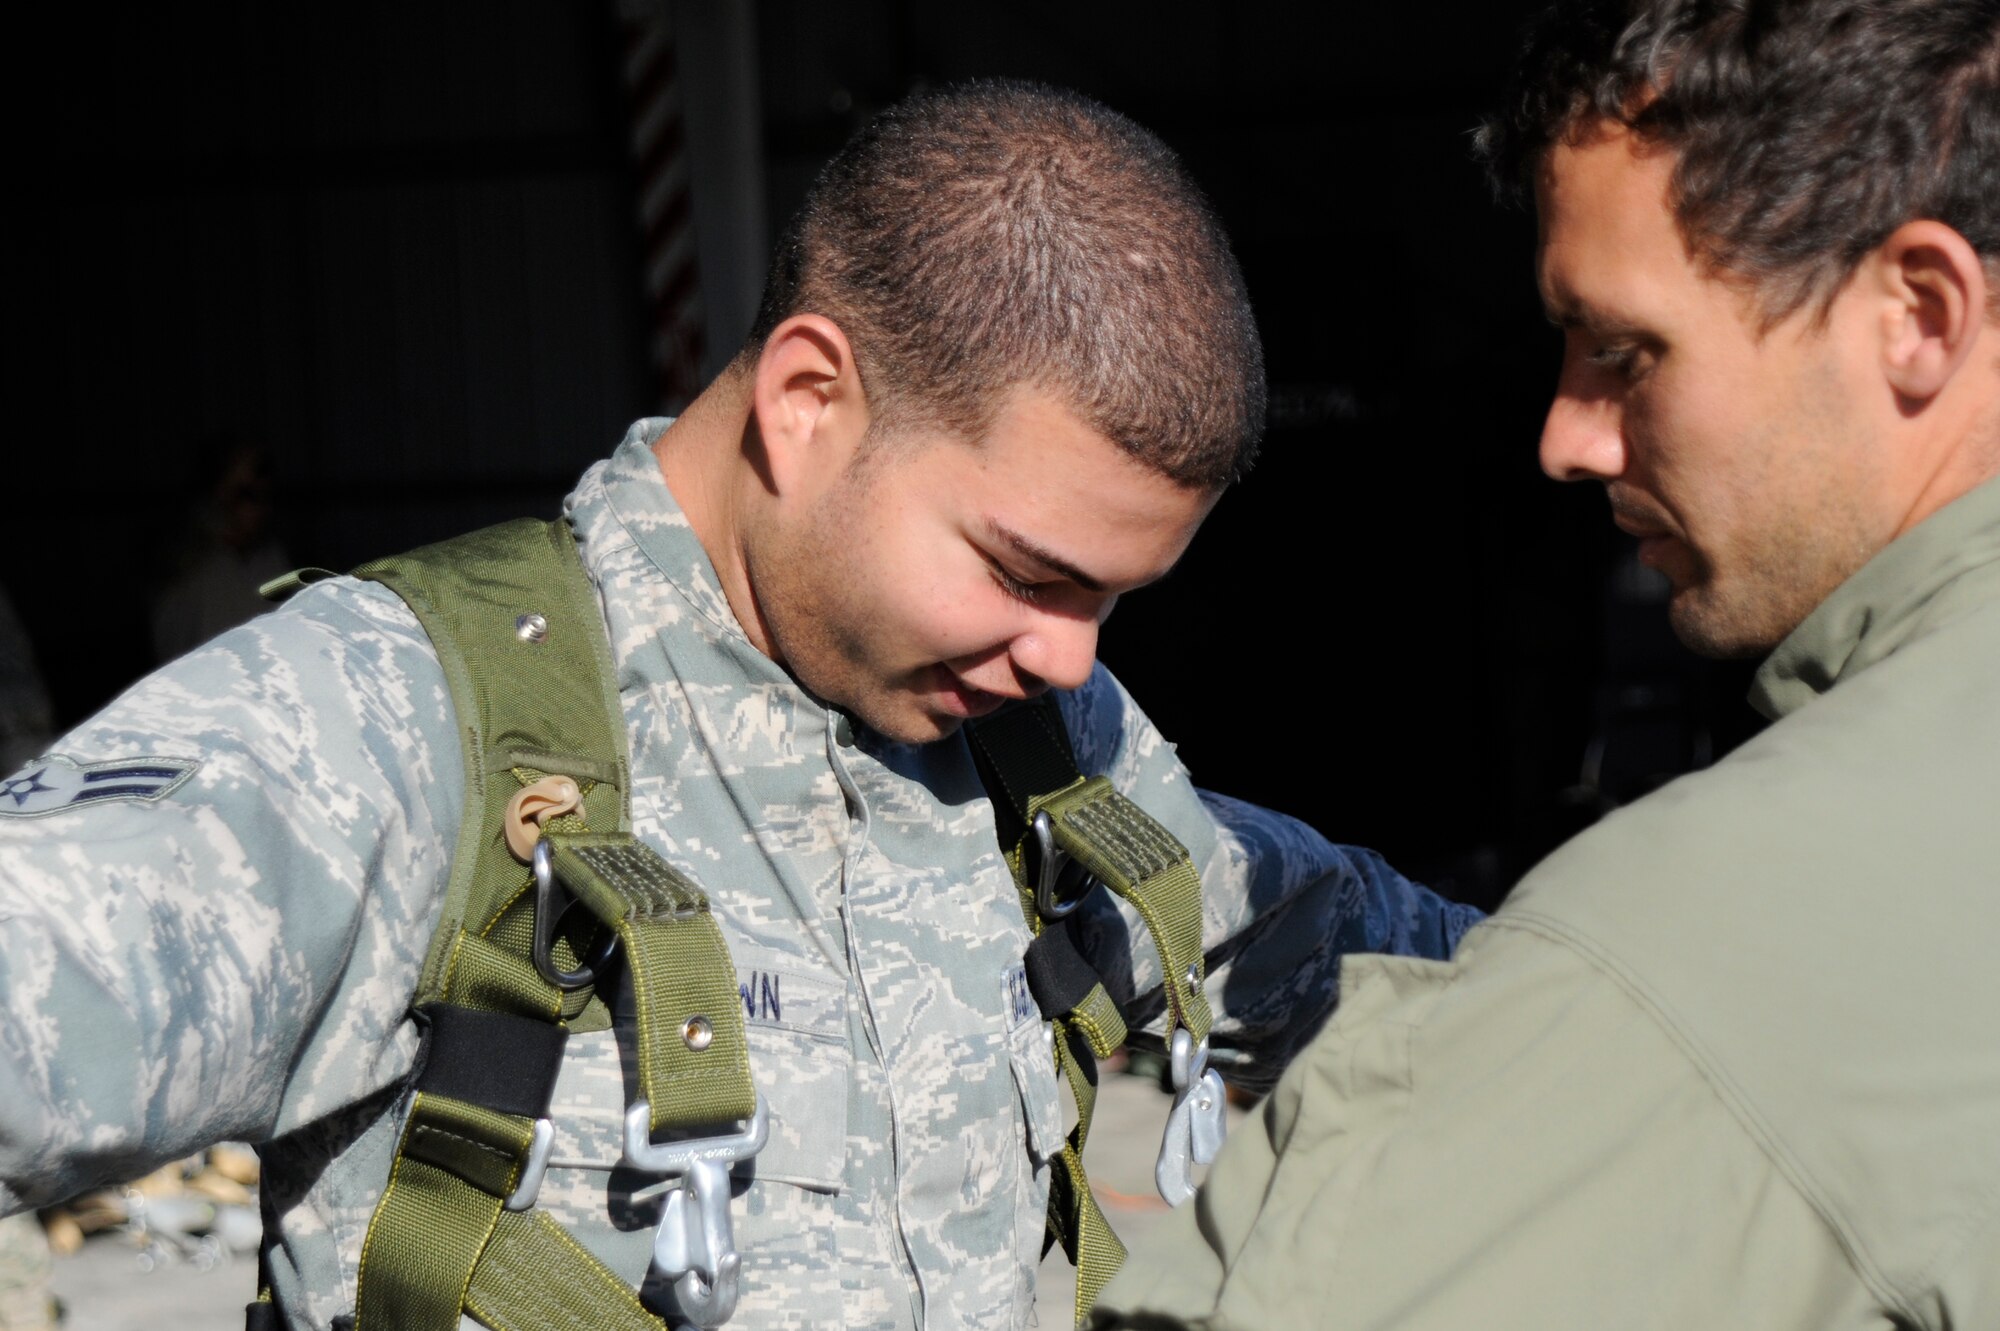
[1566, 312]
[1562, 310]
[1048, 559]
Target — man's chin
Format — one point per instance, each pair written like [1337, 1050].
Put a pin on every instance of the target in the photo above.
[930, 705]
[929, 731]
[911, 724]
[1708, 629]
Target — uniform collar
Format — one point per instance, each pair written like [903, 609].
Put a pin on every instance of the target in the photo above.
[628, 490]
[1878, 609]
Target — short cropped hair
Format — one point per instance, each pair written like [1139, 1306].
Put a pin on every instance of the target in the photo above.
[995, 234]
[1805, 131]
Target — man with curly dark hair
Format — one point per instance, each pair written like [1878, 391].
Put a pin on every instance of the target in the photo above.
[1728, 1059]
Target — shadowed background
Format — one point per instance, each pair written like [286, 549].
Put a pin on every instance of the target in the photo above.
[403, 253]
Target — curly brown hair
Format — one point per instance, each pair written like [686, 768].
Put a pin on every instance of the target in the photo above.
[1805, 131]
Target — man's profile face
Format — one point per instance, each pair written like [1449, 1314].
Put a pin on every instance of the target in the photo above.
[1738, 457]
[935, 579]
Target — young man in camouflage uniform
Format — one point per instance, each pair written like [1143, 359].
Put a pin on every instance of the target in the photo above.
[1004, 368]
[1729, 1059]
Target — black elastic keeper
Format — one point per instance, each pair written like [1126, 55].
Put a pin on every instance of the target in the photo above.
[493, 1059]
[262, 1316]
[1058, 976]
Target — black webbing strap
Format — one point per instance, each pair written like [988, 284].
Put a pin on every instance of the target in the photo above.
[1021, 752]
[494, 1059]
[1024, 756]
[1058, 976]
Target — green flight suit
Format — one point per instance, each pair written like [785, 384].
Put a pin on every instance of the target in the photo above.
[1729, 1059]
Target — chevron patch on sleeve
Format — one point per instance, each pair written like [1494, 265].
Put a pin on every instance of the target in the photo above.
[58, 785]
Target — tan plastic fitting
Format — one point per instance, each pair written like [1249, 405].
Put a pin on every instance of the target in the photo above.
[551, 797]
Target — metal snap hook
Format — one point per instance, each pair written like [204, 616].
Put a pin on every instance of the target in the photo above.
[547, 913]
[1197, 1122]
[695, 1244]
[696, 1248]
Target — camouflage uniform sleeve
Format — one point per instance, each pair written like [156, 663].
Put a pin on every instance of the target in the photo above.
[1280, 903]
[216, 895]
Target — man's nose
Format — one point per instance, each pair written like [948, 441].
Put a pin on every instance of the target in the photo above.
[1582, 439]
[1059, 650]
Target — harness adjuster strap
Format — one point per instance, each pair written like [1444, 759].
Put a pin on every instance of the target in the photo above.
[548, 910]
[1121, 846]
[501, 1062]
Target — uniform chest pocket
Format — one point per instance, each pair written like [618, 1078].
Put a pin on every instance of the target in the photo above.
[1031, 1054]
[802, 1063]
[796, 1025]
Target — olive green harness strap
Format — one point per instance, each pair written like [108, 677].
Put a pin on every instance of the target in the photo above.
[519, 635]
[536, 1277]
[694, 1057]
[518, 632]
[1024, 757]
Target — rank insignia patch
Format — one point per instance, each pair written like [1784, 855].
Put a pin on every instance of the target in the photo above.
[57, 785]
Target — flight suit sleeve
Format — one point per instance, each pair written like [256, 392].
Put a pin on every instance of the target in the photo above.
[217, 894]
[1281, 905]
[1510, 1140]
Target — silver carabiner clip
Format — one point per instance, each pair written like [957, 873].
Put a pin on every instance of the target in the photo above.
[1055, 870]
[695, 1245]
[1197, 1122]
[546, 915]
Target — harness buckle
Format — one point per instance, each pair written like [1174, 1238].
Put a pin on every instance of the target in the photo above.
[547, 912]
[1061, 883]
[1197, 1122]
[537, 1164]
[695, 1245]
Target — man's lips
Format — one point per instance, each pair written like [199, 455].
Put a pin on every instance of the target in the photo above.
[962, 699]
[1638, 519]
[1633, 523]
[1655, 540]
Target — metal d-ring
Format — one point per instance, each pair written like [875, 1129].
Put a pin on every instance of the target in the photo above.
[547, 912]
[1055, 870]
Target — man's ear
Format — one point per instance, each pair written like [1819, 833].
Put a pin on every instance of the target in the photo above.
[1935, 308]
[811, 413]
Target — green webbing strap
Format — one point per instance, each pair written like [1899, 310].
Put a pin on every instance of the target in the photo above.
[287, 585]
[519, 635]
[454, 1166]
[1121, 845]
[1024, 757]
[535, 1277]
[1021, 751]
[694, 1058]
[1075, 1219]
[521, 639]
